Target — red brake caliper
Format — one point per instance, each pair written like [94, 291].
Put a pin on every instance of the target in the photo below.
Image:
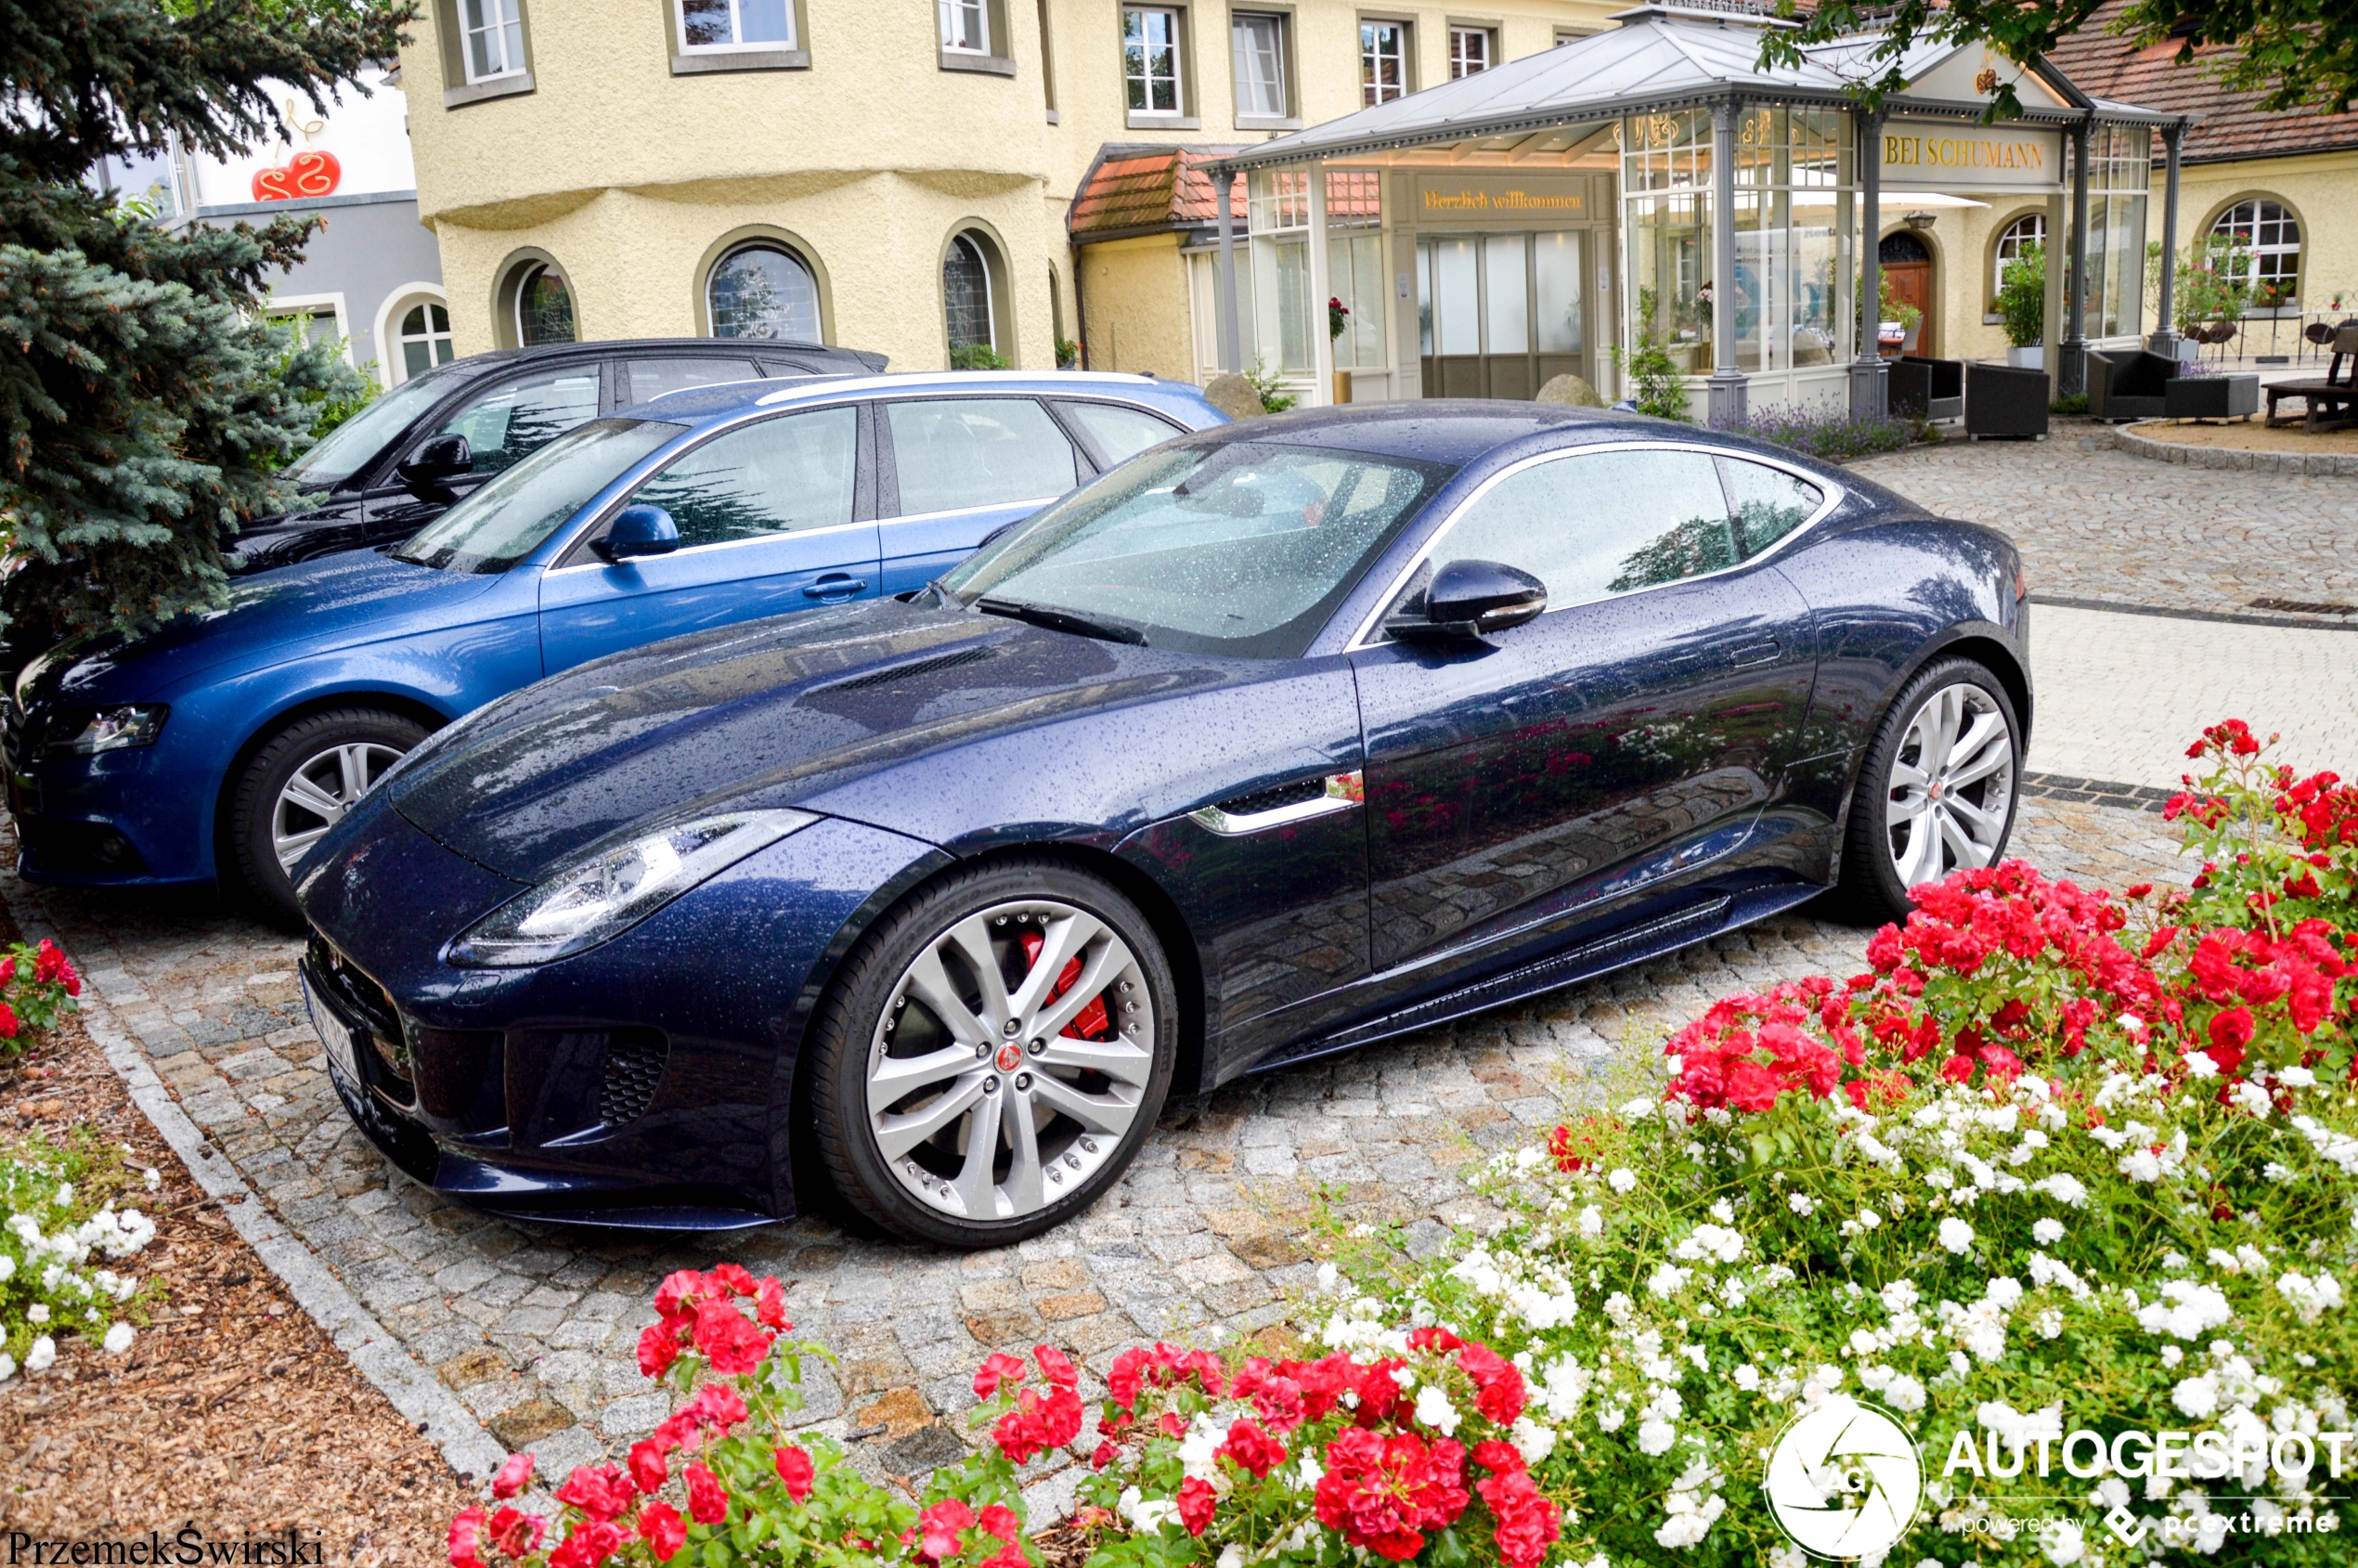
[1091, 1022]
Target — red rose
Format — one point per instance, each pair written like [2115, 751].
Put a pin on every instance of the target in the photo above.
[770, 1305]
[939, 1527]
[733, 1345]
[708, 1499]
[1009, 1556]
[601, 1491]
[1525, 1523]
[733, 1277]
[1501, 1459]
[1106, 1453]
[518, 1534]
[1056, 1366]
[998, 1368]
[676, 1298]
[592, 1541]
[647, 1466]
[797, 1470]
[658, 1348]
[1253, 1449]
[999, 1519]
[664, 1531]
[466, 1539]
[1197, 1502]
[513, 1477]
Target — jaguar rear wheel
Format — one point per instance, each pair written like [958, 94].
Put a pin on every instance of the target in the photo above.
[1936, 792]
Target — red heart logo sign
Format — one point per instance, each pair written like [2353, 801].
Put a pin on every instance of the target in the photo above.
[308, 173]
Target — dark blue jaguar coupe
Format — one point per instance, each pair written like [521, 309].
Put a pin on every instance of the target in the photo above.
[1276, 740]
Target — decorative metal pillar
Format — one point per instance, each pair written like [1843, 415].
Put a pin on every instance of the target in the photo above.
[1726, 392]
[1869, 386]
[1224, 186]
[2071, 369]
[1321, 346]
[2164, 338]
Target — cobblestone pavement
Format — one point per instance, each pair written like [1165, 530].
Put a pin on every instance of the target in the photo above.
[533, 1328]
[2096, 524]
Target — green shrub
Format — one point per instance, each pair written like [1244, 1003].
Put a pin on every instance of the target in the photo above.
[2022, 297]
[1274, 399]
[978, 356]
[62, 1230]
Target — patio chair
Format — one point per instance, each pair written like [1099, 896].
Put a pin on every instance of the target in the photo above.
[2005, 400]
[1928, 389]
[2131, 384]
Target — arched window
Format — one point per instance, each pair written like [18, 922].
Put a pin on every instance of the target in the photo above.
[965, 296]
[2020, 235]
[422, 338]
[544, 306]
[2270, 238]
[763, 290]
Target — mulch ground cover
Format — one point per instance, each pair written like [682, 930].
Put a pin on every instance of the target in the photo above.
[233, 1413]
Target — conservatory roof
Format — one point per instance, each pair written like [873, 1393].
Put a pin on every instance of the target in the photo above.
[1664, 56]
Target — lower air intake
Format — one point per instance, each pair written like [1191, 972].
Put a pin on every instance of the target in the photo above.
[634, 1068]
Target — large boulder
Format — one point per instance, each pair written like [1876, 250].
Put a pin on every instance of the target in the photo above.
[1570, 389]
[1234, 395]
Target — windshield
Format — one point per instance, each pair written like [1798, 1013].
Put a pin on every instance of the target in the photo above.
[1242, 547]
[507, 518]
[348, 448]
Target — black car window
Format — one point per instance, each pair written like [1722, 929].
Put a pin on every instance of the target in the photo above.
[517, 418]
[780, 476]
[1238, 548]
[1119, 433]
[1768, 502]
[1600, 523]
[653, 378]
[353, 444]
[955, 453]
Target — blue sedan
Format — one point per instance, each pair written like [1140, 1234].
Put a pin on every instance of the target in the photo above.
[1279, 739]
[225, 745]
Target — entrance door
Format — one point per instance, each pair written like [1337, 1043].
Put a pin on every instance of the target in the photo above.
[1907, 269]
[1501, 314]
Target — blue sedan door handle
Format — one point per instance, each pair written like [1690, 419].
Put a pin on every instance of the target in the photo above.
[1752, 653]
[836, 585]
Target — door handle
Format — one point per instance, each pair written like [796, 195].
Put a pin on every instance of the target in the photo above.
[834, 588]
[1758, 653]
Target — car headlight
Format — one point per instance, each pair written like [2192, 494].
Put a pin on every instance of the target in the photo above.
[111, 729]
[616, 887]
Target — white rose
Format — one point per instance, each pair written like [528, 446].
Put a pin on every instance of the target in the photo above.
[1802, 1203]
[2061, 1542]
[2199, 1065]
[1905, 1395]
[1656, 1436]
[1956, 1236]
[1592, 1220]
[2197, 1397]
[1434, 1410]
[2047, 1232]
[1623, 1179]
[1533, 1441]
[118, 1338]
[42, 1354]
[37, 1313]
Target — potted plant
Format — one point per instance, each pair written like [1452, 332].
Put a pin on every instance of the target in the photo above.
[1891, 310]
[2022, 307]
[1338, 323]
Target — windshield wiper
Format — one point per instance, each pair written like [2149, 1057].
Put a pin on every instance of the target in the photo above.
[1105, 628]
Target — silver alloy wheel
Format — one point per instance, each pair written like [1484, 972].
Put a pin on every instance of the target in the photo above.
[317, 794]
[1952, 786]
[994, 1089]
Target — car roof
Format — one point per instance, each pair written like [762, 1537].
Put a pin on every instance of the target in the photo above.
[494, 361]
[728, 399]
[1452, 431]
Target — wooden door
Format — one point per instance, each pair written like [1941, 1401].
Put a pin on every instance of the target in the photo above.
[1907, 263]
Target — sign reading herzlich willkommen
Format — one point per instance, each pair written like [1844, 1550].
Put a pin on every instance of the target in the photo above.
[1970, 157]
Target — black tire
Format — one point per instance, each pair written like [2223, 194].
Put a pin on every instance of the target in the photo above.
[1871, 889]
[303, 747]
[852, 1030]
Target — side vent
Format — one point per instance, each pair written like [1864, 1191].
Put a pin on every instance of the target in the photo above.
[634, 1067]
[910, 671]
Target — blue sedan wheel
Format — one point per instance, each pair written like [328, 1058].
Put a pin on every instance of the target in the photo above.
[993, 1056]
[299, 785]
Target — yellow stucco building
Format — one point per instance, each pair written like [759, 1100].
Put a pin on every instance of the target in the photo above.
[889, 175]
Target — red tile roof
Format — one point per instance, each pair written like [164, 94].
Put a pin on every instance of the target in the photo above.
[2105, 65]
[1150, 189]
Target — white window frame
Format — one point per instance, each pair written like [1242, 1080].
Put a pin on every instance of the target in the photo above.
[508, 21]
[1178, 78]
[1372, 56]
[1277, 22]
[2255, 253]
[310, 308]
[395, 361]
[736, 31]
[1461, 64]
[952, 12]
[2007, 235]
[386, 330]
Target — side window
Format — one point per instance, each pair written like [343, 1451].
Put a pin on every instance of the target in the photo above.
[1120, 433]
[976, 451]
[776, 477]
[518, 417]
[1600, 524]
[653, 378]
[1768, 502]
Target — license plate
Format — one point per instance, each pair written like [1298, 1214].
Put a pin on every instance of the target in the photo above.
[342, 1049]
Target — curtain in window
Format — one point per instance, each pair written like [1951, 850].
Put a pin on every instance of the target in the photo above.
[762, 291]
[1261, 67]
[965, 296]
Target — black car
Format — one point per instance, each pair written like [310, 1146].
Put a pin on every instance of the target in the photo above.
[1277, 738]
[401, 462]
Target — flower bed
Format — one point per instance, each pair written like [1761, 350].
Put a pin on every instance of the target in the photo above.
[2061, 1180]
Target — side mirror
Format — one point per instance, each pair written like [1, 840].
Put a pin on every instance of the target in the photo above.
[638, 530]
[1471, 599]
[439, 458]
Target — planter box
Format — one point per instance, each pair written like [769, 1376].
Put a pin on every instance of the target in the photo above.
[2031, 359]
[2212, 397]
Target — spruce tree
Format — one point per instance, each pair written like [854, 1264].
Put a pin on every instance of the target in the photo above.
[145, 404]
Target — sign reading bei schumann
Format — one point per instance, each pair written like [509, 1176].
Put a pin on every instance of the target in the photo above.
[1971, 157]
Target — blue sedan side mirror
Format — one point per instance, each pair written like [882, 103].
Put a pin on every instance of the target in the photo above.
[638, 530]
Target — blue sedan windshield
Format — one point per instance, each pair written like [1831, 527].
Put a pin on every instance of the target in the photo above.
[1239, 548]
[507, 519]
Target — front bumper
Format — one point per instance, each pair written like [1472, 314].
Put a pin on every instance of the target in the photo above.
[138, 817]
[645, 1082]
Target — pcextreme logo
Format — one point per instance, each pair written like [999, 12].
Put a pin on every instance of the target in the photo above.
[1845, 1481]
